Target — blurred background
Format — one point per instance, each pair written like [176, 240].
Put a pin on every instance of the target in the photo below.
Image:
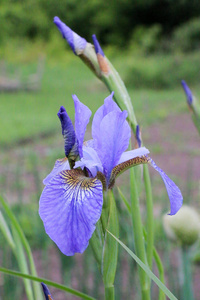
[153, 44]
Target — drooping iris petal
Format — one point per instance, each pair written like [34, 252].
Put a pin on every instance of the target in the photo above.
[76, 42]
[114, 136]
[70, 206]
[82, 117]
[90, 160]
[68, 132]
[174, 193]
[60, 165]
[132, 154]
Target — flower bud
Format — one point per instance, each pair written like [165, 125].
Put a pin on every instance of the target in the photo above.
[184, 226]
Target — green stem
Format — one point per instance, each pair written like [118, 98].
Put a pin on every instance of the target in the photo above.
[109, 293]
[114, 83]
[187, 289]
[161, 273]
[138, 236]
[150, 220]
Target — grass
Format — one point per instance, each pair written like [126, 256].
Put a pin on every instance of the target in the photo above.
[26, 115]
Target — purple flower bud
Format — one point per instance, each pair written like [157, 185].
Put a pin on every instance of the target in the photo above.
[76, 42]
[97, 46]
[46, 292]
[187, 92]
[103, 63]
[138, 136]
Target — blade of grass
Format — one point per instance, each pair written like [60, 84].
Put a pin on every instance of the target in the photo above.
[47, 282]
[147, 270]
[22, 263]
[36, 287]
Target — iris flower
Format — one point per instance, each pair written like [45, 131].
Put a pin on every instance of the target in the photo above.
[71, 202]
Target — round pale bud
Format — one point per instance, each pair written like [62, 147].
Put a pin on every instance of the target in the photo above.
[184, 226]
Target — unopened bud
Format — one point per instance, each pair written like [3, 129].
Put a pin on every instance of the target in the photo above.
[184, 226]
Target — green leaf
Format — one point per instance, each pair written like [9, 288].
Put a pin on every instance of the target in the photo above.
[146, 269]
[110, 248]
[6, 232]
[47, 282]
[14, 222]
[96, 243]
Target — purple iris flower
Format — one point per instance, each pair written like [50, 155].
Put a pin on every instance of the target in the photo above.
[71, 202]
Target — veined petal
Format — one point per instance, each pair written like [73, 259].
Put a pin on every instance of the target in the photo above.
[82, 117]
[114, 136]
[108, 106]
[76, 42]
[132, 154]
[70, 206]
[174, 193]
[68, 132]
[60, 165]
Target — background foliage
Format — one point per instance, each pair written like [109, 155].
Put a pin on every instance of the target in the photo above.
[114, 22]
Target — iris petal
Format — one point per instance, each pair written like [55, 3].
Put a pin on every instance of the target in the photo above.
[68, 132]
[132, 154]
[70, 206]
[90, 160]
[114, 136]
[174, 193]
[60, 165]
[82, 117]
[108, 106]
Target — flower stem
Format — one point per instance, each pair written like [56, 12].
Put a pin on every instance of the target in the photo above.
[150, 221]
[138, 236]
[109, 293]
[187, 290]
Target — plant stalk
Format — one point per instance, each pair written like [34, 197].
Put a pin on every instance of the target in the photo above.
[138, 236]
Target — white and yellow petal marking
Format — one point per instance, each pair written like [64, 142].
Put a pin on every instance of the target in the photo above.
[70, 206]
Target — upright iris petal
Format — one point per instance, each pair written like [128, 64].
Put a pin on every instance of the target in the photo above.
[70, 206]
[111, 134]
[114, 135]
[82, 117]
[76, 42]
